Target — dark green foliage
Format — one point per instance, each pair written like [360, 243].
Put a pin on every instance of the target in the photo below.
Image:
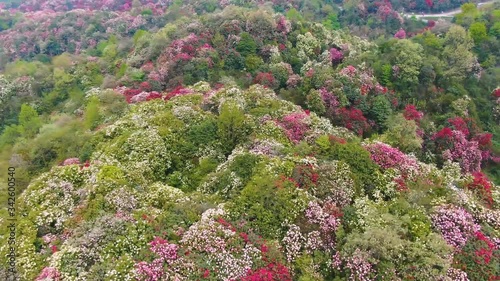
[231, 126]
[380, 110]
[29, 121]
[247, 45]
[265, 207]
[362, 167]
[92, 115]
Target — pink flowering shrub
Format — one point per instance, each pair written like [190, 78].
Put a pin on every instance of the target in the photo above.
[322, 219]
[349, 71]
[455, 147]
[293, 81]
[456, 274]
[138, 95]
[271, 272]
[326, 216]
[389, 157]
[336, 56]
[293, 243]
[167, 254]
[178, 91]
[455, 224]
[71, 161]
[359, 267]
[283, 25]
[459, 124]
[49, 274]
[485, 145]
[401, 34]
[466, 152]
[330, 102]
[212, 248]
[295, 125]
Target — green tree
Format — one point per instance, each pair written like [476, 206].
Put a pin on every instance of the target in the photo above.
[231, 125]
[457, 53]
[468, 15]
[332, 22]
[293, 15]
[409, 59]
[247, 45]
[92, 115]
[253, 62]
[402, 133]
[478, 32]
[29, 121]
[495, 30]
[386, 75]
[9, 136]
[62, 61]
[380, 110]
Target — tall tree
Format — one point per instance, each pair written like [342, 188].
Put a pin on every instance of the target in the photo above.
[29, 121]
[460, 61]
[409, 59]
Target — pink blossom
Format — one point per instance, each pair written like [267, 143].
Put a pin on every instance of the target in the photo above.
[49, 274]
[455, 224]
[359, 266]
[71, 161]
[162, 248]
[401, 34]
[295, 126]
[388, 157]
[336, 56]
[349, 71]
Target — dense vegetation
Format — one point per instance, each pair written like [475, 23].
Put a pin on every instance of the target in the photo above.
[237, 140]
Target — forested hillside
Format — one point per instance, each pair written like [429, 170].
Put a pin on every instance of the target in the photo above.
[250, 140]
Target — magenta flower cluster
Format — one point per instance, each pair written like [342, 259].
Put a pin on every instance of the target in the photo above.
[455, 224]
[295, 125]
[466, 152]
[317, 214]
[359, 267]
[167, 253]
[49, 273]
[388, 157]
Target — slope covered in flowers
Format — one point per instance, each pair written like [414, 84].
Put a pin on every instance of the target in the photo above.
[309, 153]
[284, 196]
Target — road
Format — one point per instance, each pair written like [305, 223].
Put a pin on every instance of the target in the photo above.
[448, 14]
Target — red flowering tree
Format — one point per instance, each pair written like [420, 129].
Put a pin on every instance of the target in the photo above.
[411, 113]
[496, 93]
[458, 123]
[479, 258]
[353, 119]
[482, 185]
[271, 272]
[266, 79]
[305, 176]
